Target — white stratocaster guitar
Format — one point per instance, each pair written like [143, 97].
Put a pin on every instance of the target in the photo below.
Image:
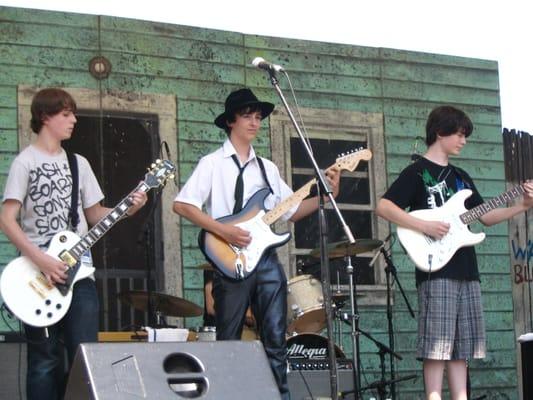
[239, 263]
[24, 288]
[430, 255]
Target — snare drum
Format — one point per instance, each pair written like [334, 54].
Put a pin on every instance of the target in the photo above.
[305, 304]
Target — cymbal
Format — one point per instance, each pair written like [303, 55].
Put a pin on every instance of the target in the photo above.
[345, 248]
[164, 303]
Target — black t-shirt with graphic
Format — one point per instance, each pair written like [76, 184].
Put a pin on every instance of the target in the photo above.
[424, 184]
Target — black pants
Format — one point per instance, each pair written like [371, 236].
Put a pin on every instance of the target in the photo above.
[266, 291]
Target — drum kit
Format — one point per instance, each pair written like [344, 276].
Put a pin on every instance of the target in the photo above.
[307, 348]
[306, 316]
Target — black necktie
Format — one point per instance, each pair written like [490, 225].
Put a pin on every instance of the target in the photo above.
[239, 186]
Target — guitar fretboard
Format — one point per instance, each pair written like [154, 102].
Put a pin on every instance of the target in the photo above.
[284, 206]
[477, 212]
[348, 162]
[102, 226]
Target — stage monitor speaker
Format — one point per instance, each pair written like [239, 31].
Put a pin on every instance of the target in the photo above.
[315, 384]
[173, 370]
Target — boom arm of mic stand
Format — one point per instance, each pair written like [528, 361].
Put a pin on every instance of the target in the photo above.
[380, 345]
[392, 269]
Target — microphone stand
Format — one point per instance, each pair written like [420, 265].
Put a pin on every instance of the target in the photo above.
[391, 269]
[322, 189]
[154, 317]
[382, 383]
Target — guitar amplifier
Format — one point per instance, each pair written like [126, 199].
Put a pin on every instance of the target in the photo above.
[307, 385]
[297, 364]
[12, 366]
[309, 373]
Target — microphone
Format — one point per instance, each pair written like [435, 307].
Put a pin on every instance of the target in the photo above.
[261, 63]
[378, 251]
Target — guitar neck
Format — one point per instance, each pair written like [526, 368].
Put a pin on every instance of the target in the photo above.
[346, 162]
[106, 223]
[284, 206]
[498, 201]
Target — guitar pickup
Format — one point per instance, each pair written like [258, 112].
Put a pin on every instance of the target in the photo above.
[67, 258]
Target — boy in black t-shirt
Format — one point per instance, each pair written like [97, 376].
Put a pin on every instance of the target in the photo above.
[450, 318]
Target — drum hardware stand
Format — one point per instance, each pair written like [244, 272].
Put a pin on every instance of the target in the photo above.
[338, 310]
[353, 318]
[322, 189]
[338, 322]
[154, 317]
[390, 269]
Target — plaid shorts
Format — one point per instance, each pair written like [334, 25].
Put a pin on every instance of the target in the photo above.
[450, 320]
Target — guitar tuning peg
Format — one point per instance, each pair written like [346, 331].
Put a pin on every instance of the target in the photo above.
[158, 161]
[152, 165]
[171, 176]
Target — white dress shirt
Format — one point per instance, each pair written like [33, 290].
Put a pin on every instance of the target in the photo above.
[212, 183]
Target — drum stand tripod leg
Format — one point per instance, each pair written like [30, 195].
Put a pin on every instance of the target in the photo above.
[338, 315]
[354, 323]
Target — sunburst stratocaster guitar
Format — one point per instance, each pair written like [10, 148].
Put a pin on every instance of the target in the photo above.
[239, 263]
[430, 254]
[24, 288]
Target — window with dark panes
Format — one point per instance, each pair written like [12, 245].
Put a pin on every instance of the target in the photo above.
[333, 134]
[353, 201]
[119, 148]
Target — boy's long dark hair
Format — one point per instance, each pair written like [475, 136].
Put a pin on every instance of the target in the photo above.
[445, 121]
[47, 103]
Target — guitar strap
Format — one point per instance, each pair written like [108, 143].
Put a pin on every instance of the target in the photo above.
[263, 172]
[73, 213]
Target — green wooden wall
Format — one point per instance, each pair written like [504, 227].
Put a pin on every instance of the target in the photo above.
[201, 66]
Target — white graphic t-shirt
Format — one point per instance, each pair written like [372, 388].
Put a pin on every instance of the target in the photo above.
[43, 185]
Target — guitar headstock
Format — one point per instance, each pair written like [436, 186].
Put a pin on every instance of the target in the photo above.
[350, 160]
[159, 173]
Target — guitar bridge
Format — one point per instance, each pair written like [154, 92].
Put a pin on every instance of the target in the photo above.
[41, 286]
[239, 266]
[239, 269]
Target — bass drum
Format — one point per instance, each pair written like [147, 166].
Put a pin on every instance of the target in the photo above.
[309, 346]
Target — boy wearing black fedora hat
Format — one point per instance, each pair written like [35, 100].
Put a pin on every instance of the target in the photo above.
[223, 182]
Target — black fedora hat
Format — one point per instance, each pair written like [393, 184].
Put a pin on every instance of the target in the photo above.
[238, 100]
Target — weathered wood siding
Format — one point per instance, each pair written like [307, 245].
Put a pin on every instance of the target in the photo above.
[201, 66]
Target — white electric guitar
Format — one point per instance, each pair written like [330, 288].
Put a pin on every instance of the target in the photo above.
[25, 289]
[238, 263]
[429, 254]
